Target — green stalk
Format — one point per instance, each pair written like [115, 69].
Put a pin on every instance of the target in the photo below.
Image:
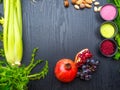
[5, 26]
[18, 38]
[32, 60]
[11, 35]
[33, 66]
[41, 74]
[19, 15]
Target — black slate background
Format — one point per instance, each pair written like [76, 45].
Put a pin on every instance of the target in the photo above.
[61, 32]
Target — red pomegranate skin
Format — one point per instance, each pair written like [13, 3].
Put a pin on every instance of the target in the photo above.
[65, 70]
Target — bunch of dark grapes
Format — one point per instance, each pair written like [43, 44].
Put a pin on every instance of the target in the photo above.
[86, 70]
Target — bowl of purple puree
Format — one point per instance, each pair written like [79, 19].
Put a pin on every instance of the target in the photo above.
[108, 12]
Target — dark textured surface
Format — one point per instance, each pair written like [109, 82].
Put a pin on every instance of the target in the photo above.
[61, 33]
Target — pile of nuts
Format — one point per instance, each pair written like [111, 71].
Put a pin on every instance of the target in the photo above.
[80, 4]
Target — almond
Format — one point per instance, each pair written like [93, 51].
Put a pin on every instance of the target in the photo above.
[88, 5]
[96, 3]
[79, 2]
[66, 3]
[84, 2]
[82, 5]
[76, 7]
[74, 1]
[99, 8]
[95, 9]
[89, 1]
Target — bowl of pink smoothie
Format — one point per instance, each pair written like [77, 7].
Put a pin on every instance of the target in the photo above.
[108, 12]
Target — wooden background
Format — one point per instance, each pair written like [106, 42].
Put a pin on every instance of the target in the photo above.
[61, 32]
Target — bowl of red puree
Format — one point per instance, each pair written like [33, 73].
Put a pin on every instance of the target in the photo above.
[108, 47]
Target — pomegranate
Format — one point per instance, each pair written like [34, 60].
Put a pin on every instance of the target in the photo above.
[65, 70]
[82, 57]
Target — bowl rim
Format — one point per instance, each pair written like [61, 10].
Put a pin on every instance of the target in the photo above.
[111, 5]
[116, 47]
[115, 27]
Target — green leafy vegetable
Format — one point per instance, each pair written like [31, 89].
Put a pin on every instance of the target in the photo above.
[117, 21]
[14, 75]
[1, 1]
[117, 56]
[17, 78]
[1, 47]
[117, 4]
[117, 39]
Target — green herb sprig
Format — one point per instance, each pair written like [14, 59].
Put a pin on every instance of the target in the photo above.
[17, 77]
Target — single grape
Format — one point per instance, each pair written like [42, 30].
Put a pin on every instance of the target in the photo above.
[82, 76]
[92, 61]
[94, 67]
[88, 60]
[89, 71]
[97, 62]
[88, 77]
[78, 74]
[85, 71]
[84, 67]
[87, 66]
